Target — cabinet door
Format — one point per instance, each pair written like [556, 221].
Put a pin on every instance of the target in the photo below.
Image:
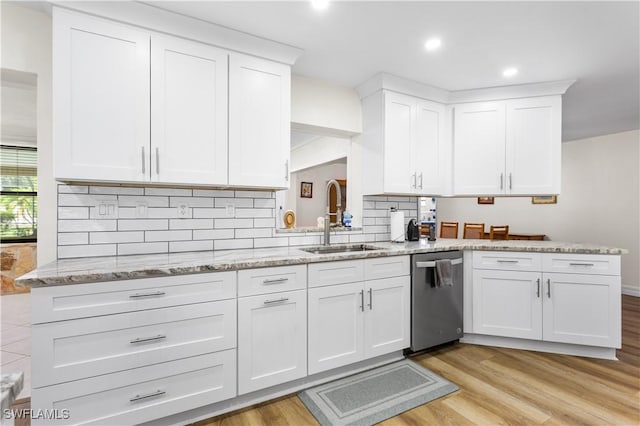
[335, 326]
[272, 339]
[479, 149]
[259, 122]
[100, 98]
[429, 147]
[507, 303]
[533, 147]
[399, 172]
[387, 316]
[189, 112]
[582, 309]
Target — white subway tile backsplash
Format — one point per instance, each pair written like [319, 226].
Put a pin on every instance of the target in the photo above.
[192, 201]
[190, 223]
[204, 213]
[116, 237]
[169, 191]
[254, 212]
[65, 252]
[133, 201]
[254, 233]
[79, 225]
[236, 202]
[234, 223]
[124, 190]
[73, 212]
[213, 234]
[143, 224]
[208, 226]
[232, 244]
[73, 189]
[179, 246]
[73, 238]
[143, 248]
[179, 235]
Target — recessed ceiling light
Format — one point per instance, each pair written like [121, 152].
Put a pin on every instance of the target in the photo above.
[510, 72]
[432, 44]
[320, 4]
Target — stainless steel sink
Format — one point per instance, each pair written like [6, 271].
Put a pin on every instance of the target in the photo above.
[341, 249]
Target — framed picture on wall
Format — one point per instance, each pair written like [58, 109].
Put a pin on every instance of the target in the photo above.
[306, 190]
[485, 200]
[546, 199]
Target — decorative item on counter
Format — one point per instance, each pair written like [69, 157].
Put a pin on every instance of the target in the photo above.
[320, 221]
[289, 219]
[306, 189]
[346, 218]
[397, 226]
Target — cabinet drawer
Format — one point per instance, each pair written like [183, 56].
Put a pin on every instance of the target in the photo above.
[114, 297]
[596, 264]
[505, 260]
[386, 267]
[330, 273]
[143, 394]
[252, 282]
[77, 349]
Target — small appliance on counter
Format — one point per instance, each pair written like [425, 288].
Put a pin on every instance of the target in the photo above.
[413, 230]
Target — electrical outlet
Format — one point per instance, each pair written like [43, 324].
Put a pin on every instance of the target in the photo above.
[183, 211]
[142, 210]
[107, 209]
[231, 210]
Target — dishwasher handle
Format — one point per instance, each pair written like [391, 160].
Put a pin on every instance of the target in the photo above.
[432, 264]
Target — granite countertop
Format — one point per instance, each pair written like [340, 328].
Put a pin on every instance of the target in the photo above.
[110, 268]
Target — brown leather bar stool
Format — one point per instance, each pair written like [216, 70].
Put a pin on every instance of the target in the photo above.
[448, 229]
[473, 231]
[499, 232]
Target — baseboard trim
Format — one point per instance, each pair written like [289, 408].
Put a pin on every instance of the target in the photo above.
[250, 399]
[631, 290]
[540, 346]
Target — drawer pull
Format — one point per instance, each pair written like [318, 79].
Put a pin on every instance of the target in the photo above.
[140, 295]
[507, 261]
[581, 264]
[268, 302]
[148, 395]
[275, 281]
[148, 339]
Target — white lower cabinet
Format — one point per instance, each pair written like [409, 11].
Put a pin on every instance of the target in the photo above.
[563, 307]
[272, 339]
[143, 394]
[358, 320]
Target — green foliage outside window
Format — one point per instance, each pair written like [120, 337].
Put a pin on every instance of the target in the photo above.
[18, 195]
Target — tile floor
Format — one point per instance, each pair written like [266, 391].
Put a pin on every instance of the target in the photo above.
[15, 337]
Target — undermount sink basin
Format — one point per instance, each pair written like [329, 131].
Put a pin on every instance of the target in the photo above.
[341, 249]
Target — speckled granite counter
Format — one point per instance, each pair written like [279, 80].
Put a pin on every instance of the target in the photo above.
[71, 271]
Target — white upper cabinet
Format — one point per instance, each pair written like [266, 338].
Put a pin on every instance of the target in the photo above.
[404, 137]
[188, 112]
[507, 147]
[533, 145]
[259, 122]
[101, 99]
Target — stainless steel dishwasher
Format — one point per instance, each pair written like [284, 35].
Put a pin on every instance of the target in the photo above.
[436, 311]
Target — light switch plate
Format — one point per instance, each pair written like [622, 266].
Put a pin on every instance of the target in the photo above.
[183, 211]
[142, 210]
[231, 210]
[107, 209]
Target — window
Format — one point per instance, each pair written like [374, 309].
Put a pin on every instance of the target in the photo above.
[18, 193]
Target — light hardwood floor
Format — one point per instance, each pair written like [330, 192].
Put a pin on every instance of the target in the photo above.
[506, 386]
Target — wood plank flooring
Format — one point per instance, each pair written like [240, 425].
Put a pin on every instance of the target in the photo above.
[506, 386]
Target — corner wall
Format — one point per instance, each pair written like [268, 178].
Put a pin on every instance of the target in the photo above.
[599, 202]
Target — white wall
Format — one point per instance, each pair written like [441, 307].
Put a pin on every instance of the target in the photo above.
[599, 202]
[308, 209]
[328, 108]
[26, 46]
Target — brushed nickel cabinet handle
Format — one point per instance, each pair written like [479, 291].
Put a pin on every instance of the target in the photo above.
[148, 395]
[140, 295]
[362, 300]
[275, 281]
[413, 179]
[420, 180]
[501, 181]
[370, 298]
[148, 339]
[507, 261]
[286, 170]
[538, 290]
[549, 288]
[157, 161]
[510, 181]
[269, 302]
[144, 162]
[580, 264]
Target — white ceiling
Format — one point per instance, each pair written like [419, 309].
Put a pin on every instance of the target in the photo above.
[597, 43]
